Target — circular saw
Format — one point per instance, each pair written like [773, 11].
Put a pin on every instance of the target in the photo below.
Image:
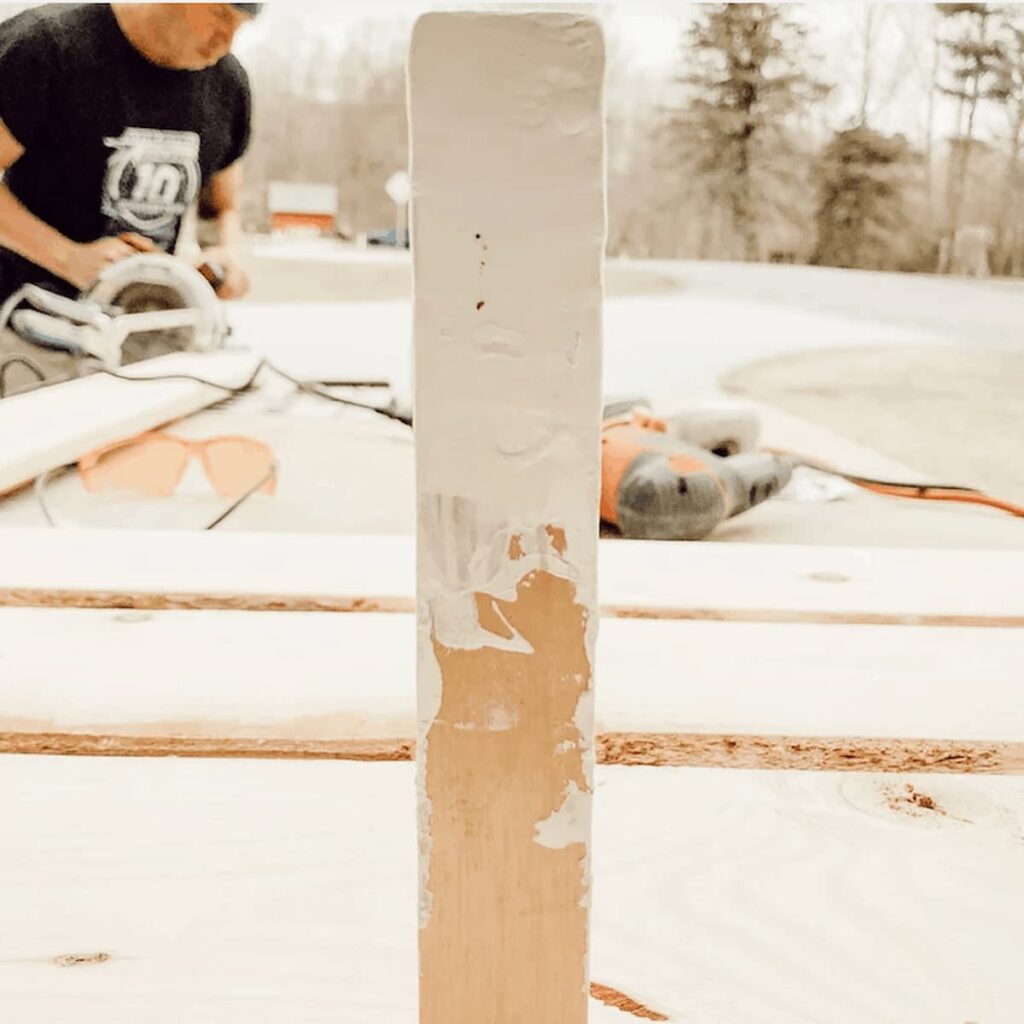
[139, 308]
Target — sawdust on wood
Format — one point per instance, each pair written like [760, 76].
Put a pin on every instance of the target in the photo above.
[620, 1001]
[131, 601]
[645, 750]
[113, 600]
[824, 754]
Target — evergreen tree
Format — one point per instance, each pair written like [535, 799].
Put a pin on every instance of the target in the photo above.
[862, 218]
[974, 55]
[735, 132]
[1009, 254]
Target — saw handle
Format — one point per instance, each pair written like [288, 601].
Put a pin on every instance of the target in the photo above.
[214, 273]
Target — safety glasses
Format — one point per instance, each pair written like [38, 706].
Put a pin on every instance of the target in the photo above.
[153, 464]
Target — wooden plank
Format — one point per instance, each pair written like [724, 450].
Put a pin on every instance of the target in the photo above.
[51, 427]
[700, 693]
[233, 571]
[508, 226]
[788, 898]
[149, 570]
[169, 891]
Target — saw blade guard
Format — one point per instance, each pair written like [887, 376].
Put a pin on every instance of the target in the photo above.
[152, 283]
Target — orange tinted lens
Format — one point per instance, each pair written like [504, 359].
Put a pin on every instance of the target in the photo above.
[236, 465]
[148, 465]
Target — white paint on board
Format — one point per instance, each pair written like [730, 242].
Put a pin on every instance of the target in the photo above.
[570, 824]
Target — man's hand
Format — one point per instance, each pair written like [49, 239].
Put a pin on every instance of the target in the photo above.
[86, 261]
[235, 283]
[221, 196]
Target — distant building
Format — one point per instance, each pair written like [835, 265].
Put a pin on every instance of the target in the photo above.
[302, 208]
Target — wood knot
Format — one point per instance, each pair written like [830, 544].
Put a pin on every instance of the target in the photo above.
[81, 959]
[829, 577]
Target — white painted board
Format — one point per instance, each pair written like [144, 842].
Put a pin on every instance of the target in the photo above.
[506, 117]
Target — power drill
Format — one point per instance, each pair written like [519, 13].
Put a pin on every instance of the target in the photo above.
[657, 486]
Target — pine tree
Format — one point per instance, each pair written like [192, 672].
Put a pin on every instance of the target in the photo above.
[734, 133]
[863, 183]
[1010, 254]
[975, 57]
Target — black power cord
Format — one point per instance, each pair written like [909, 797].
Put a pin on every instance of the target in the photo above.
[308, 387]
[231, 389]
[316, 388]
[30, 364]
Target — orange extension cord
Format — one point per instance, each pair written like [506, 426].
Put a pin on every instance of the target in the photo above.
[919, 492]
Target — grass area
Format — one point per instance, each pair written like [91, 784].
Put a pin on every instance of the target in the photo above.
[956, 414]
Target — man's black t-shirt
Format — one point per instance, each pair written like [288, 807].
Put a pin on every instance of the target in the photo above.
[112, 141]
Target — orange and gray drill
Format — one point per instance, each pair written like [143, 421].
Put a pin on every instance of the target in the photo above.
[679, 477]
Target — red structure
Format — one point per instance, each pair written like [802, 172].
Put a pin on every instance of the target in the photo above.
[302, 208]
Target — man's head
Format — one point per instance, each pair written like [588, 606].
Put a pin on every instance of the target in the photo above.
[186, 36]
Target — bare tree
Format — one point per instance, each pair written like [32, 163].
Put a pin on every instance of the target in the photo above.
[371, 121]
[331, 114]
[1009, 243]
[974, 54]
[871, 18]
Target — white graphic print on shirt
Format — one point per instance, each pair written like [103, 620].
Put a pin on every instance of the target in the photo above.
[152, 179]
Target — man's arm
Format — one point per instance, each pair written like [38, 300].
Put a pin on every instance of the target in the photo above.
[222, 197]
[23, 232]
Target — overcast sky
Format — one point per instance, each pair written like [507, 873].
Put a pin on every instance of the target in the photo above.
[643, 24]
[647, 33]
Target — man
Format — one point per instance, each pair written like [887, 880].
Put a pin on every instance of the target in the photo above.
[114, 120]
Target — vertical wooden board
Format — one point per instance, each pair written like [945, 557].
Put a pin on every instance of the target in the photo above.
[508, 239]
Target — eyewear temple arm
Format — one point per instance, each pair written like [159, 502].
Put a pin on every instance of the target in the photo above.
[43, 481]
